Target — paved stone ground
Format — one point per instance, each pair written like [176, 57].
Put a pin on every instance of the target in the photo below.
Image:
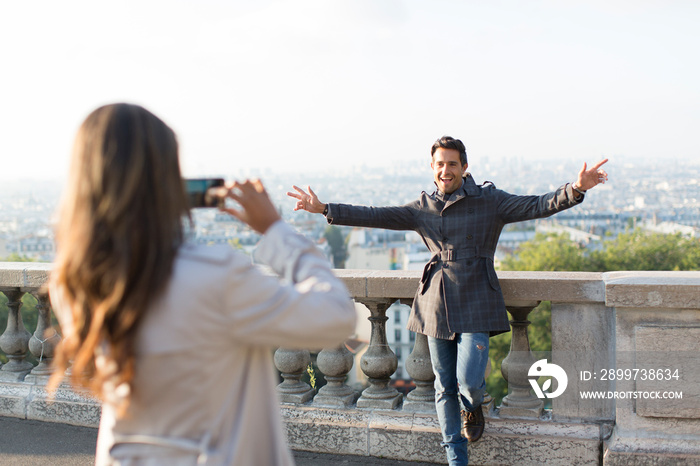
[34, 443]
[317, 459]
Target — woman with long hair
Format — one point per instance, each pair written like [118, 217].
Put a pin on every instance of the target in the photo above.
[175, 338]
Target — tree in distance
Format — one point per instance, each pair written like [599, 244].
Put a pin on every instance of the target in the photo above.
[632, 250]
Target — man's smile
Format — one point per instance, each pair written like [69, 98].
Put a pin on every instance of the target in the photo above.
[448, 169]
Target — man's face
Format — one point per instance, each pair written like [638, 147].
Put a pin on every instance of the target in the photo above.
[448, 169]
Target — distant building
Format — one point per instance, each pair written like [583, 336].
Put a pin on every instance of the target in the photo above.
[4, 252]
[384, 257]
[576, 235]
[37, 247]
[386, 250]
[671, 228]
[417, 253]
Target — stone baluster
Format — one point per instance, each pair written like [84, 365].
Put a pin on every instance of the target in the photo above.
[419, 367]
[379, 362]
[292, 364]
[45, 339]
[519, 402]
[335, 364]
[15, 340]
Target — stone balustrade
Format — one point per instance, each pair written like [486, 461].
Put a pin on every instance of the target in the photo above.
[607, 330]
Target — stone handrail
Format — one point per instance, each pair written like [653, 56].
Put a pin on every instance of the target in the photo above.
[600, 321]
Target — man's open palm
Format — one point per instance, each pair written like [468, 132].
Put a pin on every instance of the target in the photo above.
[307, 201]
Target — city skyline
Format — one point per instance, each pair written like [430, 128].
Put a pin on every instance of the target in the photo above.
[314, 84]
[661, 197]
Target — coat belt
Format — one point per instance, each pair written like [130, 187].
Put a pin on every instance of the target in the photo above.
[448, 255]
[452, 255]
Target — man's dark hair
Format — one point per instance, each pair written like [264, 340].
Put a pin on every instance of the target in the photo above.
[447, 142]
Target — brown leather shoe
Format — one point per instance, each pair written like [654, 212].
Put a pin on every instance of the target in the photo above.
[473, 424]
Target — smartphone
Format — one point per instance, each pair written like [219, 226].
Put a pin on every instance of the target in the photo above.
[198, 193]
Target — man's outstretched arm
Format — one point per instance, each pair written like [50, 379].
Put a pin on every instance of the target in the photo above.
[392, 218]
[515, 208]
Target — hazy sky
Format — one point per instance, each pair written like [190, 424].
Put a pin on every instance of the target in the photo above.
[282, 85]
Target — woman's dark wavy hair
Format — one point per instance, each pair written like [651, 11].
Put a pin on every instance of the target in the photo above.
[120, 225]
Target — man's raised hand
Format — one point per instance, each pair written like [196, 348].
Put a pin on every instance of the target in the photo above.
[307, 201]
[589, 178]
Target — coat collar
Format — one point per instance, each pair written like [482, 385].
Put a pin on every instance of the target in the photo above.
[468, 188]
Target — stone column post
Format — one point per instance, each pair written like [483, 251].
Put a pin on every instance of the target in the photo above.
[335, 364]
[292, 364]
[15, 340]
[419, 367]
[519, 402]
[378, 362]
[45, 339]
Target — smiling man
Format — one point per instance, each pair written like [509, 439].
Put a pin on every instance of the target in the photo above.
[448, 168]
[458, 304]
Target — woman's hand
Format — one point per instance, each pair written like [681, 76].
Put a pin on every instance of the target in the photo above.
[257, 210]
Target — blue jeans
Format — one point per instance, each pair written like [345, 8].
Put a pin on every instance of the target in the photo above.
[459, 367]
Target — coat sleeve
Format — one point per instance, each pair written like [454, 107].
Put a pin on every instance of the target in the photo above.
[390, 218]
[513, 208]
[309, 308]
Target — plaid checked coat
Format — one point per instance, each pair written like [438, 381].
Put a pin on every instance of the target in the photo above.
[459, 290]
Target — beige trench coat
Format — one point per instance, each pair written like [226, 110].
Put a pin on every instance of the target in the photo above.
[207, 346]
